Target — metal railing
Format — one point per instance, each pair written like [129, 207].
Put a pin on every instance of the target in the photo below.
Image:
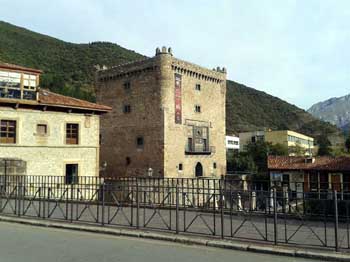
[220, 208]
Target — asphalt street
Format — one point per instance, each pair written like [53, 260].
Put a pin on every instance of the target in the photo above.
[35, 244]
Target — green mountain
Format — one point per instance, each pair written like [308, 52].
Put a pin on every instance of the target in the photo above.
[69, 69]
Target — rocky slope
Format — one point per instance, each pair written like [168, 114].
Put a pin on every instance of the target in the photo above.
[335, 110]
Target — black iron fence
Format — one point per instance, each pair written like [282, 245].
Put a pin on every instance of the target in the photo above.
[225, 208]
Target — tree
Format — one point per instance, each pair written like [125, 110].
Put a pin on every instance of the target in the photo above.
[259, 151]
[278, 149]
[347, 144]
[241, 162]
[324, 145]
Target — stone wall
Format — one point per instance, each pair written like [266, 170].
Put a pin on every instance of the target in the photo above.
[120, 130]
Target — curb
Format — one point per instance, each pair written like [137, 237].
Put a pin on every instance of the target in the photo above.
[188, 240]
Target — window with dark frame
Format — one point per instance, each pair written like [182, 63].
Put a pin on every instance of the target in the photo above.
[71, 174]
[41, 129]
[127, 109]
[197, 108]
[205, 145]
[139, 142]
[127, 85]
[8, 131]
[198, 140]
[198, 87]
[190, 144]
[72, 134]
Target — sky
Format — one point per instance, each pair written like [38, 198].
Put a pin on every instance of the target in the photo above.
[297, 50]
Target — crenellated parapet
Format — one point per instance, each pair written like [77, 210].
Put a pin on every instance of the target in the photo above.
[162, 55]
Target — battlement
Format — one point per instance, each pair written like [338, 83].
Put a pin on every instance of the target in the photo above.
[146, 65]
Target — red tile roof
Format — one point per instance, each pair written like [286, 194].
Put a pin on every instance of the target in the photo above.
[19, 68]
[322, 163]
[52, 99]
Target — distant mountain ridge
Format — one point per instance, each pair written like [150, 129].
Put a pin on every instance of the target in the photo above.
[335, 110]
[69, 70]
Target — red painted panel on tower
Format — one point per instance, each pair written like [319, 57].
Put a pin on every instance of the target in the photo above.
[178, 100]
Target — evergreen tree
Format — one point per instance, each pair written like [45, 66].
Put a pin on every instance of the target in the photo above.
[324, 146]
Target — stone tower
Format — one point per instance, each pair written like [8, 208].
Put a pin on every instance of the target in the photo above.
[168, 118]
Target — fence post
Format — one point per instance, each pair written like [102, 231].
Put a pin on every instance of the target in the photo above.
[19, 193]
[335, 196]
[275, 215]
[103, 204]
[177, 208]
[137, 205]
[72, 201]
[221, 182]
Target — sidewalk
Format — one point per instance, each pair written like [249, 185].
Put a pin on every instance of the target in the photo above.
[191, 240]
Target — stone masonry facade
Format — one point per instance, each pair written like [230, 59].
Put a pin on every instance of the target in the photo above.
[168, 118]
[48, 155]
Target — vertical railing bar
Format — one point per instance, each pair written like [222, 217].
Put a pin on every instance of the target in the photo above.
[336, 220]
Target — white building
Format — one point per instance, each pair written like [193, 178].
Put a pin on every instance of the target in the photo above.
[43, 133]
[232, 142]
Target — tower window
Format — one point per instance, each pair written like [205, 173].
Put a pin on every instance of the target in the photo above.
[198, 87]
[180, 167]
[127, 109]
[197, 108]
[127, 86]
[139, 142]
[214, 165]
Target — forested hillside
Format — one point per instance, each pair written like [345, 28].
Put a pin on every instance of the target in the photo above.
[69, 69]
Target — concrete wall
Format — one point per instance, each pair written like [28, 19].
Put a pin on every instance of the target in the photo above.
[47, 155]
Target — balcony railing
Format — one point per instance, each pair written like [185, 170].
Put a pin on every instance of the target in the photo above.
[203, 150]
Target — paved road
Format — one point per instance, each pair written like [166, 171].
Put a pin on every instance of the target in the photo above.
[295, 231]
[26, 243]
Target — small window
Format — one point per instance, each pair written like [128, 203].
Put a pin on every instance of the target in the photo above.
[198, 87]
[127, 160]
[180, 167]
[127, 109]
[41, 129]
[8, 131]
[127, 86]
[139, 142]
[197, 109]
[72, 134]
[71, 174]
[190, 144]
[214, 165]
[205, 145]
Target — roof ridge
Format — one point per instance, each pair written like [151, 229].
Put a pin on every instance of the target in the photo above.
[47, 97]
